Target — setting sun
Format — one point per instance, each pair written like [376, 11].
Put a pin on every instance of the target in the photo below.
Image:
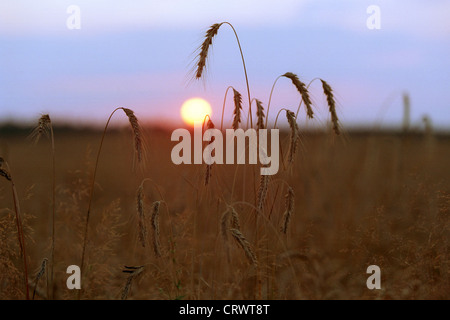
[195, 110]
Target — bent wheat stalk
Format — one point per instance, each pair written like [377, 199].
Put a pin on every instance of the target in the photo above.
[43, 128]
[301, 88]
[331, 105]
[245, 245]
[293, 136]
[203, 56]
[139, 150]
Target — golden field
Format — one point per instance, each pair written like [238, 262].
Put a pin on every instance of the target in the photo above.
[361, 199]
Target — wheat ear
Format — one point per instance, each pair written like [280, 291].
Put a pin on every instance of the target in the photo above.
[293, 135]
[138, 148]
[43, 128]
[140, 205]
[289, 205]
[39, 275]
[204, 48]
[262, 191]
[203, 55]
[245, 245]
[301, 88]
[232, 214]
[155, 227]
[259, 114]
[328, 91]
[237, 109]
[134, 272]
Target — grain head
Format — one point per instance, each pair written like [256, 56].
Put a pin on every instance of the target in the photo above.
[302, 89]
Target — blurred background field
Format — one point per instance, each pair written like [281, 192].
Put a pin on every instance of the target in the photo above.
[366, 198]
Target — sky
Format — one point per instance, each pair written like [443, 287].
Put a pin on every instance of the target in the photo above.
[139, 54]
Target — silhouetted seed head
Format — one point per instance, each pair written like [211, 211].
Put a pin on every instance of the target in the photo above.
[204, 48]
[301, 88]
[259, 114]
[138, 145]
[237, 109]
[294, 135]
[289, 204]
[331, 105]
[42, 128]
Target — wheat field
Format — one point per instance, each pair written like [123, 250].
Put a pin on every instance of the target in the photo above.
[372, 198]
[113, 203]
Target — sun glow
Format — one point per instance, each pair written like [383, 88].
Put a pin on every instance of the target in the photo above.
[195, 110]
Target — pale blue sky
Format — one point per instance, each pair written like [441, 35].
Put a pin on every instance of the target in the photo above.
[138, 54]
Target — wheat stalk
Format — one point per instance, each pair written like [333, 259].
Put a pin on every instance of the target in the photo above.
[262, 191]
[245, 245]
[259, 114]
[139, 150]
[237, 109]
[203, 56]
[39, 275]
[328, 91]
[5, 172]
[204, 48]
[289, 205]
[293, 135]
[134, 272]
[209, 125]
[140, 203]
[43, 128]
[301, 88]
[155, 226]
[225, 222]
[137, 133]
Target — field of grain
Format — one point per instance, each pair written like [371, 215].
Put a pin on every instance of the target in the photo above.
[359, 199]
